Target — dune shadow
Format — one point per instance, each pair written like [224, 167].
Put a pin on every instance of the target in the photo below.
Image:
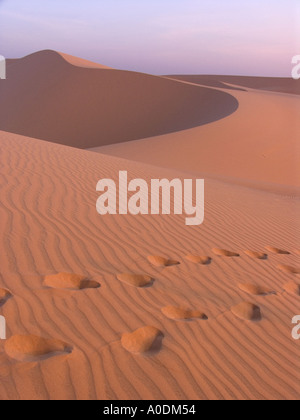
[107, 106]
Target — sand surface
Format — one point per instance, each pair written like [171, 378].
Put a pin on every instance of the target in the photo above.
[49, 225]
[144, 307]
[258, 143]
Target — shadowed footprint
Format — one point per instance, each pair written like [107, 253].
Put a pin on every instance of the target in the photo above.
[198, 259]
[173, 312]
[224, 253]
[144, 340]
[70, 281]
[255, 290]
[4, 296]
[292, 287]
[137, 280]
[258, 255]
[288, 269]
[30, 348]
[247, 311]
[158, 261]
[278, 251]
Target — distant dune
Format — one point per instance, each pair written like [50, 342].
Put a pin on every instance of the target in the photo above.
[273, 84]
[48, 98]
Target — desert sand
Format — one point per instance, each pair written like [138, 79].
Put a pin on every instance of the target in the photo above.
[144, 307]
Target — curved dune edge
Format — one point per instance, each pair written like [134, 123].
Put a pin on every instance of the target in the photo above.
[30, 348]
[70, 281]
[247, 311]
[144, 340]
[79, 62]
[4, 296]
[176, 313]
[78, 93]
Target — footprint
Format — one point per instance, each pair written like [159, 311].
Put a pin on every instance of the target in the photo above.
[137, 280]
[255, 290]
[292, 287]
[30, 348]
[4, 296]
[247, 311]
[258, 255]
[198, 259]
[158, 261]
[144, 340]
[70, 281]
[224, 253]
[173, 312]
[288, 269]
[279, 251]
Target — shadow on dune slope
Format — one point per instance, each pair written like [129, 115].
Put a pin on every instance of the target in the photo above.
[46, 97]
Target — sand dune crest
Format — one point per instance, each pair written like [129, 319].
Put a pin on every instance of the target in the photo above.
[28, 348]
[143, 340]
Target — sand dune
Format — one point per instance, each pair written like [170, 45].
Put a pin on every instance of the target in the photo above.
[272, 84]
[79, 62]
[258, 145]
[46, 96]
[49, 195]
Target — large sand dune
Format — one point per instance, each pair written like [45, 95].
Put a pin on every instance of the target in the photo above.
[259, 144]
[55, 97]
[199, 331]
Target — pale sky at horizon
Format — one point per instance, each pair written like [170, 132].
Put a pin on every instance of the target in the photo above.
[253, 37]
